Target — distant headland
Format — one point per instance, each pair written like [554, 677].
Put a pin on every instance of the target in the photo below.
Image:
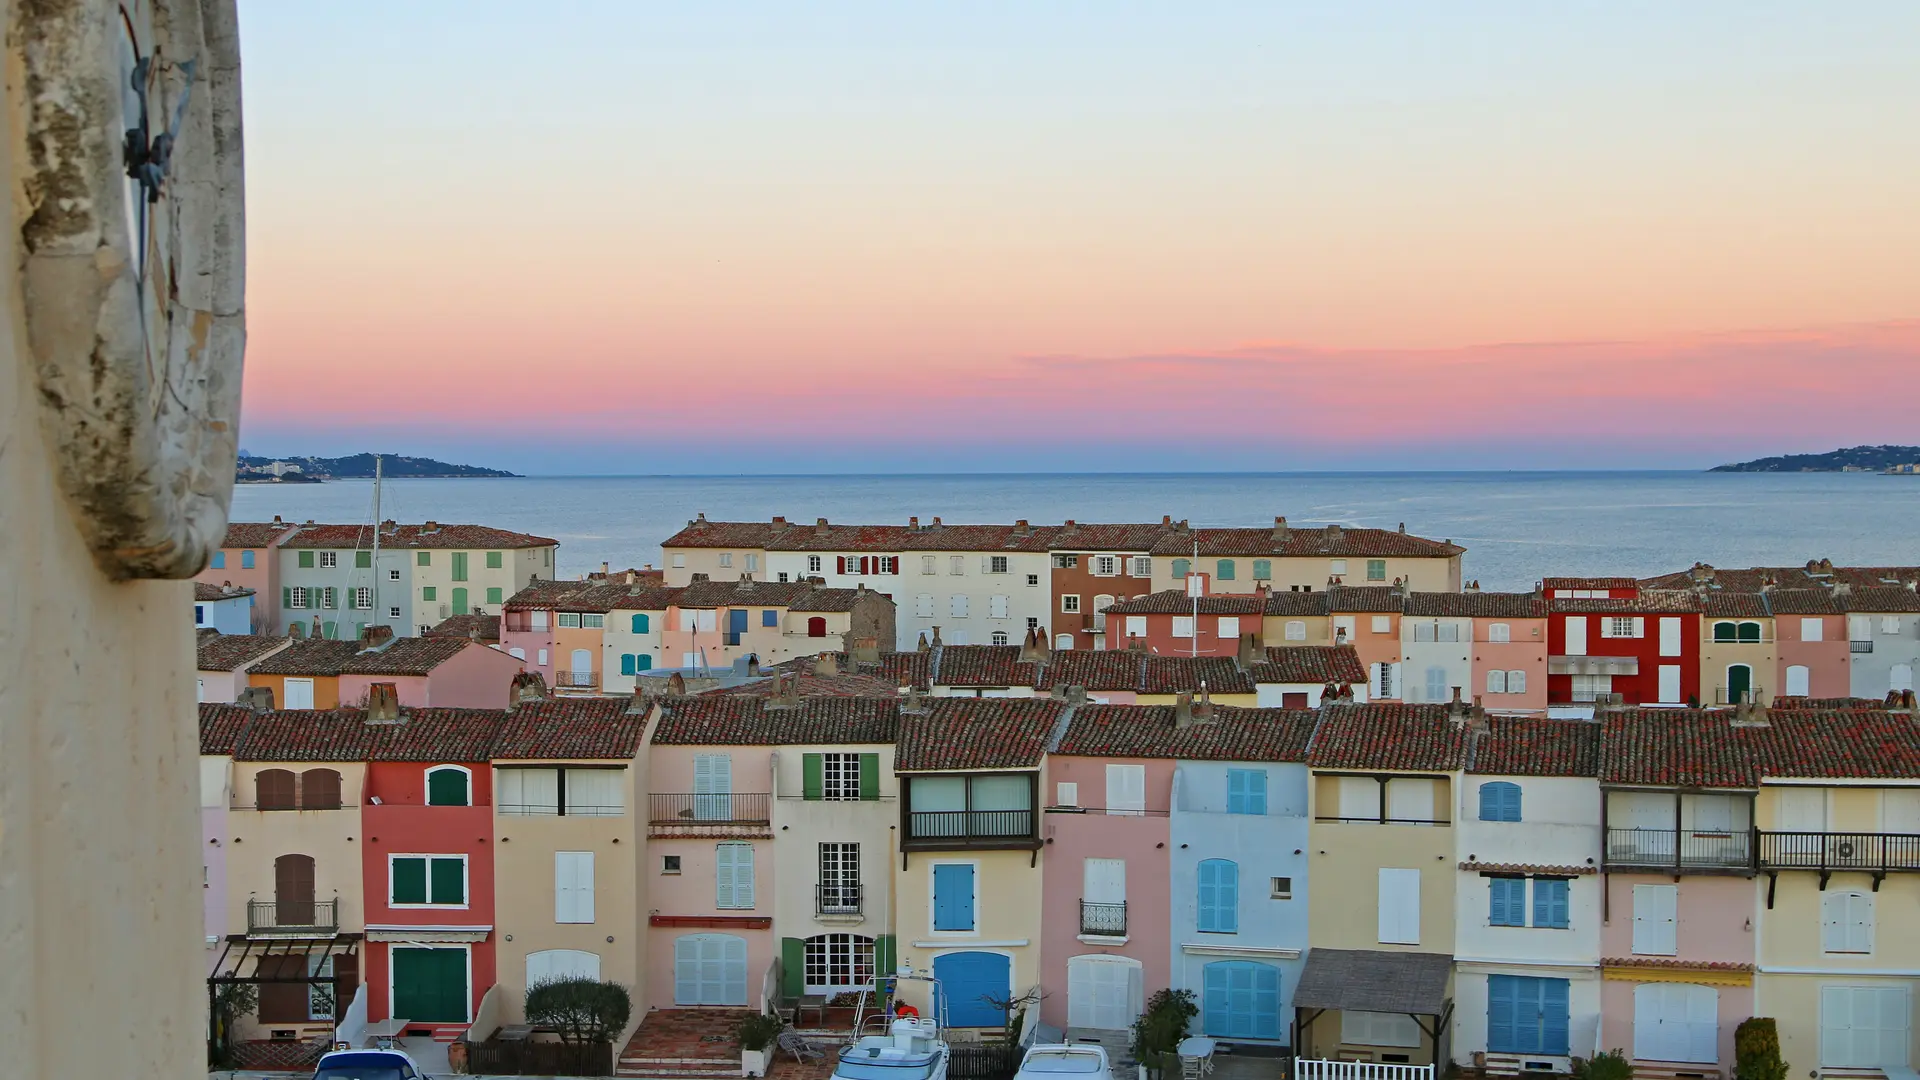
[1881, 459]
[252, 469]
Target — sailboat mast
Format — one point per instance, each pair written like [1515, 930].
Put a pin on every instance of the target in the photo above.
[375, 621]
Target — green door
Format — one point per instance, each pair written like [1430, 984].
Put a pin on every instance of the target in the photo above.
[1739, 683]
[459, 601]
[430, 985]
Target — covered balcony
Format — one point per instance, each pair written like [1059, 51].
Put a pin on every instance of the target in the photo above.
[1679, 832]
[718, 814]
[1824, 853]
[993, 810]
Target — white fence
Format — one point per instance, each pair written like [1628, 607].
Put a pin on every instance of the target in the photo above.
[1319, 1069]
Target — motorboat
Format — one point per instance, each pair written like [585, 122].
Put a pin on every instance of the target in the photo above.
[912, 1046]
[1065, 1061]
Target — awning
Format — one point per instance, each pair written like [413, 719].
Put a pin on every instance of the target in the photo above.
[426, 937]
[1593, 665]
[1363, 980]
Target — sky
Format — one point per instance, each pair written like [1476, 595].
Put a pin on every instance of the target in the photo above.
[757, 237]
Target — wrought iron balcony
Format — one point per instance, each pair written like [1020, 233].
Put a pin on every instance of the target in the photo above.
[576, 680]
[1827, 851]
[964, 827]
[1859, 646]
[726, 808]
[301, 918]
[836, 899]
[1103, 919]
[1703, 850]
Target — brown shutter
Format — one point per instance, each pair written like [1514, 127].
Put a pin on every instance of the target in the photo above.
[319, 790]
[273, 789]
[293, 890]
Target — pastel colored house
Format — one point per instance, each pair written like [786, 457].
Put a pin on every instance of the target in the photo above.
[579, 637]
[1493, 646]
[221, 726]
[1239, 867]
[714, 623]
[329, 582]
[224, 660]
[1296, 676]
[1529, 907]
[1300, 618]
[1368, 618]
[1165, 623]
[570, 873]
[1811, 628]
[1677, 947]
[305, 674]
[432, 672]
[225, 608]
[1287, 557]
[633, 641]
[1093, 567]
[1607, 636]
[971, 772]
[1738, 648]
[527, 619]
[245, 559]
[1883, 638]
[984, 671]
[456, 569]
[1382, 905]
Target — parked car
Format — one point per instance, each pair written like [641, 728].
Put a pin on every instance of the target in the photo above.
[1073, 1061]
[367, 1065]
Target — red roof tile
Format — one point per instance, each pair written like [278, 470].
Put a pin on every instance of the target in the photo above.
[254, 534]
[563, 729]
[1804, 602]
[1299, 604]
[743, 720]
[1735, 606]
[1149, 731]
[1589, 583]
[468, 537]
[309, 735]
[1691, 748]
[1399, 738]
[1185, 674]
[1164, 539]
[1534, 747]
[1098, 539]
[545, 594]
[1097, 670]
[1530, 869]
[230, 652]
[960, 734]
[1476, 605]
[472, 626]
[981, 665]
[1330, 541]
[206, 593]
[407, 656]
[1379, 599]
[1319, 664]
[1177, 602]
[844, 684]
[1845, 743]
[1650, 601]
[221, 727]
[307, 656]
[439, 735]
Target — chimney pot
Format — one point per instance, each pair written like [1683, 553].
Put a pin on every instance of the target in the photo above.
[779, 522]
[913, 522]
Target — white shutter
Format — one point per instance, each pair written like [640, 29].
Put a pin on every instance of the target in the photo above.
[1797, 680]
[689, 621]
[1104, 881]
[1409, 799]
[1517, 681]
[1639, 626]
[1859, 628]
[1080, 992]
[923, 605]
[709, 618]
[996, 607]
[1496, 682]
[1836, 1027]
[1800, 809]
[957, 605]
[1649, 1008]
[1655, 915]
[573, 886]
[1669, 683]
[1846, 922]
[539, 620]
[1359, 797]
[1066, 793]
[1812, 629]
[1900, 811]
[1137, 626]
[1670, 643]
[1183, 626]
[1399, 904]
[1230, 626]
[1126, 789]
[1576, 635]
[299, 694]
[1700, 1038]
[595, 792]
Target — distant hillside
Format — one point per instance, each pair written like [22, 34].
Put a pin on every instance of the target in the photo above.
[357, 466]
[1871, 458]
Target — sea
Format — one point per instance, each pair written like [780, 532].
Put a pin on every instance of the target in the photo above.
[1517, 527]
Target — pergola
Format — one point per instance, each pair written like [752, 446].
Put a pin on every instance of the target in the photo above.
[1367, 980]
[227, 969]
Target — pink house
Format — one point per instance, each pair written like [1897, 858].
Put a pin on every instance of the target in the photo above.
[527, 620]
[439, 672]
[224, 660]
[245, 559]
[1810, 633]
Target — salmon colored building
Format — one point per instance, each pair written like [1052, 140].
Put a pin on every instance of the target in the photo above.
[246, 560]
[1811, 628]
[1165, 623]
[1094, 567]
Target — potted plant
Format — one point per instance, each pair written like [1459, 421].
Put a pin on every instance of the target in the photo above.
[757, 1035]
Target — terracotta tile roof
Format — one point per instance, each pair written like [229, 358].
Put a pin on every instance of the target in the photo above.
[1804, 602]
[1476, 605]
[1814, 574]
[1537, 869]
[1097, 670]
[1650, 601]
[439, 735]
[1177, 602]
[845, 684]
[1149, 731]
[1299, 604]
[1846, 743]
[1675, 965]
[1076, 537]
[611, 596]
[1400, 738]
[957, 734]
[558, 729]
[744, 720]
[221, 727]
[719, 594]
[1676, 748]
[1785, 701]
[309, 735]
[911, 668]
[544, 594]
[230, 652]
[1320, 664]
[1514, 746]
[801, 536]
[472, 626]
[1881, 599]
[407, 656]
[308, 656]
[834, 599]
[981, 665]
[1735, 606]
[1589, 583]
[1330, 541]
[1379, 599]
[254, 534]
[468, 537]
[204, 593]
[1184, 674]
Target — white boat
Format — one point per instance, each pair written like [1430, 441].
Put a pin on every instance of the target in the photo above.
[1067, 1061]
[911, 1048]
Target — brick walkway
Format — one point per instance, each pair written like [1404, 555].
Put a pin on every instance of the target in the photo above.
[684, 1044]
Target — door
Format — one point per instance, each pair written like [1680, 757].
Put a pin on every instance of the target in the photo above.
[1739, 683]
[971, 983]
[1798, 679]
[293, 890]
[1676, 1022]
[1103, 992]
[736, 625]
[1526, 1015]
[582, 667]
[710, 969]
[1103, 896]
[299, 693]
[430, 985]
[1864, 1027]
[1669, 684]
[713, 787]
[1240, 999]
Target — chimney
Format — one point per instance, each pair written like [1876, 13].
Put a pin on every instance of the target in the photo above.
[375, 638]
[1250, 652]
[700, 518]
[779, 523]
[1346, 693]
[1203, 709]
[257, 698]
[1137, 644]
[819, 526]
[753, 665]
[1166, 520]
[315, 631]
[641, 702]
[1182, 711]
[1033, 649]
[383, 703]
[913, 522]
[1333, 534]
[936, 638]
[1472, 587]
[605, 569]
[1069, 525]
[431, 526]
[526, 686]
[913, 704]
[677, 685]
[865, 650]
[1403, 528]
[826, 664]
[923, 646]
[1339, 635]
[1279, 529]
[297, 630]
[1842, 589]
[1021, 528]
[277, 521]
[786, 691]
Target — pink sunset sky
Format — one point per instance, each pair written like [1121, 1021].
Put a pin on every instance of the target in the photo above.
[619, 238]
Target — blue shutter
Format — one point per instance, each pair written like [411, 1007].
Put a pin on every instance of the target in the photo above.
[246, 560]
[1500, 1007]
[1550, 903]
[1219, 908]
[219, 561]
[642, 662]
[1216, 1002]
[639, 624]
[1237, 791]
[626, 663]
[1553, 1015]
[1508, 904]
[1499, 801]
[1257, 791]
[769, 617]
[1266, 1001]
[953, 896]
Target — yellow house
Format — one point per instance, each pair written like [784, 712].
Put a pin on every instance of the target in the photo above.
[1383, 792]
[1287, 558]
[1839, 881]
[967, 880]
[1738, 649]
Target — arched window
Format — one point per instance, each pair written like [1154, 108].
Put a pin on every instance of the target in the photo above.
[1219, 906]
[835, 962]
[999, 637]
[517, 654]
[449, 785]
[1749, 631]
[1499, 801]
[1725, 631]
[1797, 680]
[1224, 569]
[640, 623]
[1739, 683]
[549, 964]
[817, 626]
[1063, 641]
[319, 790]
[273, 790]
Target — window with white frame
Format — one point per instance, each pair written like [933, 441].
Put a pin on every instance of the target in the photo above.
[1338, 567]
[1106, 565]
[1066, 793]
[956, 565]
[928, 564]
[393, 575]
[1183, 626]
[1100, 605]
[1070, 602]
[298, 597]
[362, 598]
[923, 605]
[1230, 626]
[1496, 682]
[996, 564]
[1143, 566]
[1033, 581]
[753, 561]
[569, 620]
[1065, 562]
[840, 777]
[726, 558]
[393, 613]
[838, 962]
[1378, 1029]
[1624, 626]
[1499, 632]
[1126, 789]
[1889, 624]
[1423, 631]
[1516, 681]
[1296, 630]
[840, 875]
[813, 564]
[329, 559]
[1383, 624]
[1136, 626]
[886, 564]
[1812, 629]
[599, 622]
[1000, 637]
[679, 561]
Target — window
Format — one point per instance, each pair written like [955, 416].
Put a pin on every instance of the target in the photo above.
[1070, 603]
[839, 878]
[1399, 904]
[576, 791]
[306, 560]
[997, 607]
[569, 620]
[1296, 630]
[956, 565]
[1889, 624]
[1263, 569]
[1282, 888]
[393, 575]
[1383, 624]
[1550, 903]
[1678, 1022]
[1496, 682]
[363, 559]
[273, 789]
[449, 785]
[1219, 903]
[1812, 629]
[923, 605]
[329, 559]
[1100, 605]
[957, 605]
[733, 876]
[1183, 626]
[1180, 567]
[1749, 632]
[1143, 566]
[1033, 581]
[1798, 677]
[954, 899]
[1338, 568]
[493, 560]
[1436, 684]
[1383, 680]
[246, 560]
[1516, 682]
[218, 562]
[886, 564]
[836, 962]
[1378, 1029]
[423, 558]
[1865, 1027]
[1423, 631]
[1508, 901]
[995, 564]
[753, 562]
[669, 864]
[1106, 565]
[1623, 626]
[813, 564]
[1723, 631]
[1655, 918]
[769, 618]
[840, 777]
[427, 880]
[1247, 791]
[1066, 793]
[459, 566]
[726, 558]
[1500, 632]
[1376, 569]
[573, 886]
[299, 597]
[430, 593]
[1846, 922]
[639, 623]
[1000, 637]
[362, 599]
[599, 622]
[1500, 801]
[1223, 570]
[199, 614]
[1230, 627]
[817, 624]
[1065, 562]
[1526, 1015]
[1127, 789]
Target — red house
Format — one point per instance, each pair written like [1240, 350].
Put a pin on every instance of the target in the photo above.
[1165, 623]
[1610, 636]
[427, 862]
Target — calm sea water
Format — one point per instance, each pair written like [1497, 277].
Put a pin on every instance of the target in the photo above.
[1517, 527]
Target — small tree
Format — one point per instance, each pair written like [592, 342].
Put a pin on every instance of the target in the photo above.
[582, 1010]
[1607, 1065]
[757, 1032]
[231, 1001]
[1158, 1031]
[1756, 1050]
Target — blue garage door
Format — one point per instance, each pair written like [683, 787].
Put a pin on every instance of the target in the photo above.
[969, 980]
[709, 969]
[1241, 1000]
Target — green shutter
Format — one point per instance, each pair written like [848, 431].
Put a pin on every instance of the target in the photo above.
[793, 965]
[459, 566]
[810, 782]
[449, 881]
[286, 596]
[409, 881]
[330, 631]
[363, 559]
[1180, 568]
[423, 558]
[493, 596]
[459, 601]
[428, 592]
[306, 560]
[493, 560]
[870, 777]
[884, 961]
[446, 787]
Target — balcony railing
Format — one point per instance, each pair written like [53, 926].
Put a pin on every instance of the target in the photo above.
[1878, 852]
[735, 808]
[301, 917]
[836, 899]
[1724, 696]
[1104, 919]
[970, 825]
[1859, 646]
[1701, 849]
[576, 680]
